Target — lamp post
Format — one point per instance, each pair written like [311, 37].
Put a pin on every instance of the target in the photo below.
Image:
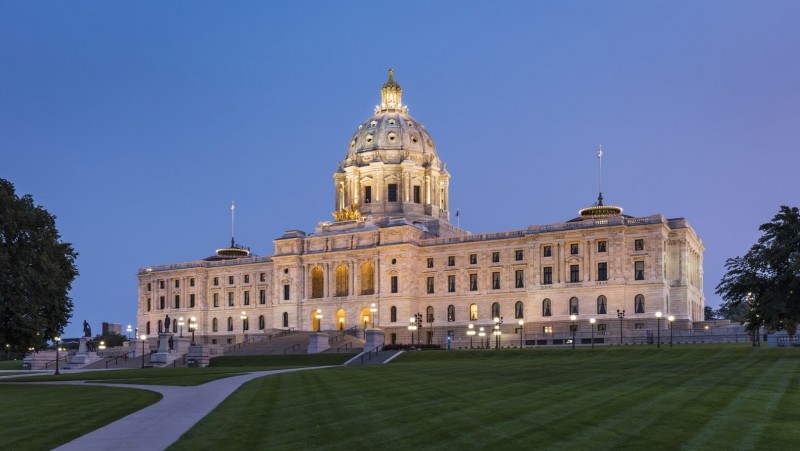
[55, 341]
[670, 319]
[8, 351]
[470, 333]
[193, 327]
[373, 310]
[144, 338]
[180, 324]
[318, 316]
[482, 334]
[418, 323]
[658, 329]
[102, 346]
[129, 329]
[592, 321]
[412, 326]
[521, 331]
[497, 322]
[244, 325]
[620, 315]
[574, 328]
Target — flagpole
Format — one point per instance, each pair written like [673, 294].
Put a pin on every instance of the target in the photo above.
[233, 242]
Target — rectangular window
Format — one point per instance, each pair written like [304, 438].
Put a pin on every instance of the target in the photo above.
[286, 292]
[451, 284]
[638, 245]
[547, 275]
[191, 301]
[430, 285]
[495, 257]
[518, 255]
[574, 273]
[216, 281]
[519, 279]
[638, 269]
[246, 298]
[177, 283]
[262, 277]
[495, 281]
[601, 328]
[367, 194]
[161, 284]
[216, 299]
[392, 195]
[430, 263]
[638, 326]
[473, 282]
[191, 282]
[547, 251]
[247, 278]
[230, 280]
[547, 329]
[601, 246]
[451, 260]
[177, 301]
[602, 271]
[573, 249]
[262, 297]
[149, 287]
[161, 302]
[148, 304]
[230, 299]
[417, 197]
[473, 259]
[393, 283]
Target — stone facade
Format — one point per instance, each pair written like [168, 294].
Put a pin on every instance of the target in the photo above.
[393, 253]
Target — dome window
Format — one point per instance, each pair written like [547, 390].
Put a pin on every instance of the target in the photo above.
[353, 142]
[391, 121]
[369, 138]
[373, 123]
[410, 124]
[392, 137]
[414, 139]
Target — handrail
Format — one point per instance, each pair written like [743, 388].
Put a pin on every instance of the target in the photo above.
[116, 358]
[377, 349]
[348, 345]
[292, 347]
[47, 364]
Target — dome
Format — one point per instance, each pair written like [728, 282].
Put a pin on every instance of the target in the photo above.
[390, 130]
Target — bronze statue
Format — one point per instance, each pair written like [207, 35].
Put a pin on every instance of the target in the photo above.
[87, 330]
[166, 324]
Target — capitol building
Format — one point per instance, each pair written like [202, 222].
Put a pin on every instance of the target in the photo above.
[392, 251]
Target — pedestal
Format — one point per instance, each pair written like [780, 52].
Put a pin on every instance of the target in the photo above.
[162, 355]
[374, 339]
[317, 342]
[181, 345]
[198, 356]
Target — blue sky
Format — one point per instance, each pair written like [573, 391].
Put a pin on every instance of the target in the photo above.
[137, 123]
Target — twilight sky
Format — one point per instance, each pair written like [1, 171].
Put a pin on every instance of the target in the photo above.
[137, 123]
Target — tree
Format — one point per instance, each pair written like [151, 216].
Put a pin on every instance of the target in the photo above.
[111, 339]
[763, 286]
[709, 313]
[36, 273]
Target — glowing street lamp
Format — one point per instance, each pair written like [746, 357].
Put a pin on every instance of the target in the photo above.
[497, 322]
[592, 321]
[621, 316]
[55, 341]
[574, 328]
[193, 326]
[670, 319]
[144, 339]
[412, 326]
[373, 310]
[180, 324]
[482, 334]
[521, 331]
[129, 329]
[658, 327]
[470, 333]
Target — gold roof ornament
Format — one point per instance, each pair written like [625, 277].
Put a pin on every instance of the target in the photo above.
[391, 96]
[347, 214]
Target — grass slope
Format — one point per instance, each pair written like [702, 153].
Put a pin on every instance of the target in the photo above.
[699, 397]
[147, 376]
[46, 416]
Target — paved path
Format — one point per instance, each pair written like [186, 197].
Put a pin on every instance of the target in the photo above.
[159, 425]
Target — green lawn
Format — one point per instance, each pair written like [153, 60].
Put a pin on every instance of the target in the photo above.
[281, 361]
[690, 397]
[45, 416]
[147, 376]
[11, 365]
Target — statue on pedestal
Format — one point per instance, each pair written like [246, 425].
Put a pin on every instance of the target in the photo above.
[87, 330]
[166, 324]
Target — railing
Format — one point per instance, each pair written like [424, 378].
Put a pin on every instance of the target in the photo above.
[260, 338]
[175, 362]
[47, 364]
[345, 346]
[369, 353]
[205, 264]
[116, 358]
[291, 348]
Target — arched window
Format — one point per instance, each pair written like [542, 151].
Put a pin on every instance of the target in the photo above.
[160, 326]
[601, 305]
[147, 328]
[473, 312]
[573, 306]
[214, 325]
[317, 282]
[429, 314]
[495, 310]
[285, 319]
[246, 324]
[174, 327]
[261, 323]
[547, 308]
[638, 303]
[519, 311]
[367, 278]
[341, 280]
[393, 314]
[230, 324]
[451, 313]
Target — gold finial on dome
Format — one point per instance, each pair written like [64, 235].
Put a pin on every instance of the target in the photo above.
[391, 95]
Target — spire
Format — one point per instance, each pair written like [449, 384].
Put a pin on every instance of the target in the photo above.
[391, 95]
[233, 207]
[600, 174]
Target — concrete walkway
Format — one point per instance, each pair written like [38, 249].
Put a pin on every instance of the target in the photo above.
[159, 425]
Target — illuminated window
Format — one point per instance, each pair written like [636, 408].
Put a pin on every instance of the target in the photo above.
[473, 312]
[317, 282]
[367, 276]
[547, 329]
[341, 281]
